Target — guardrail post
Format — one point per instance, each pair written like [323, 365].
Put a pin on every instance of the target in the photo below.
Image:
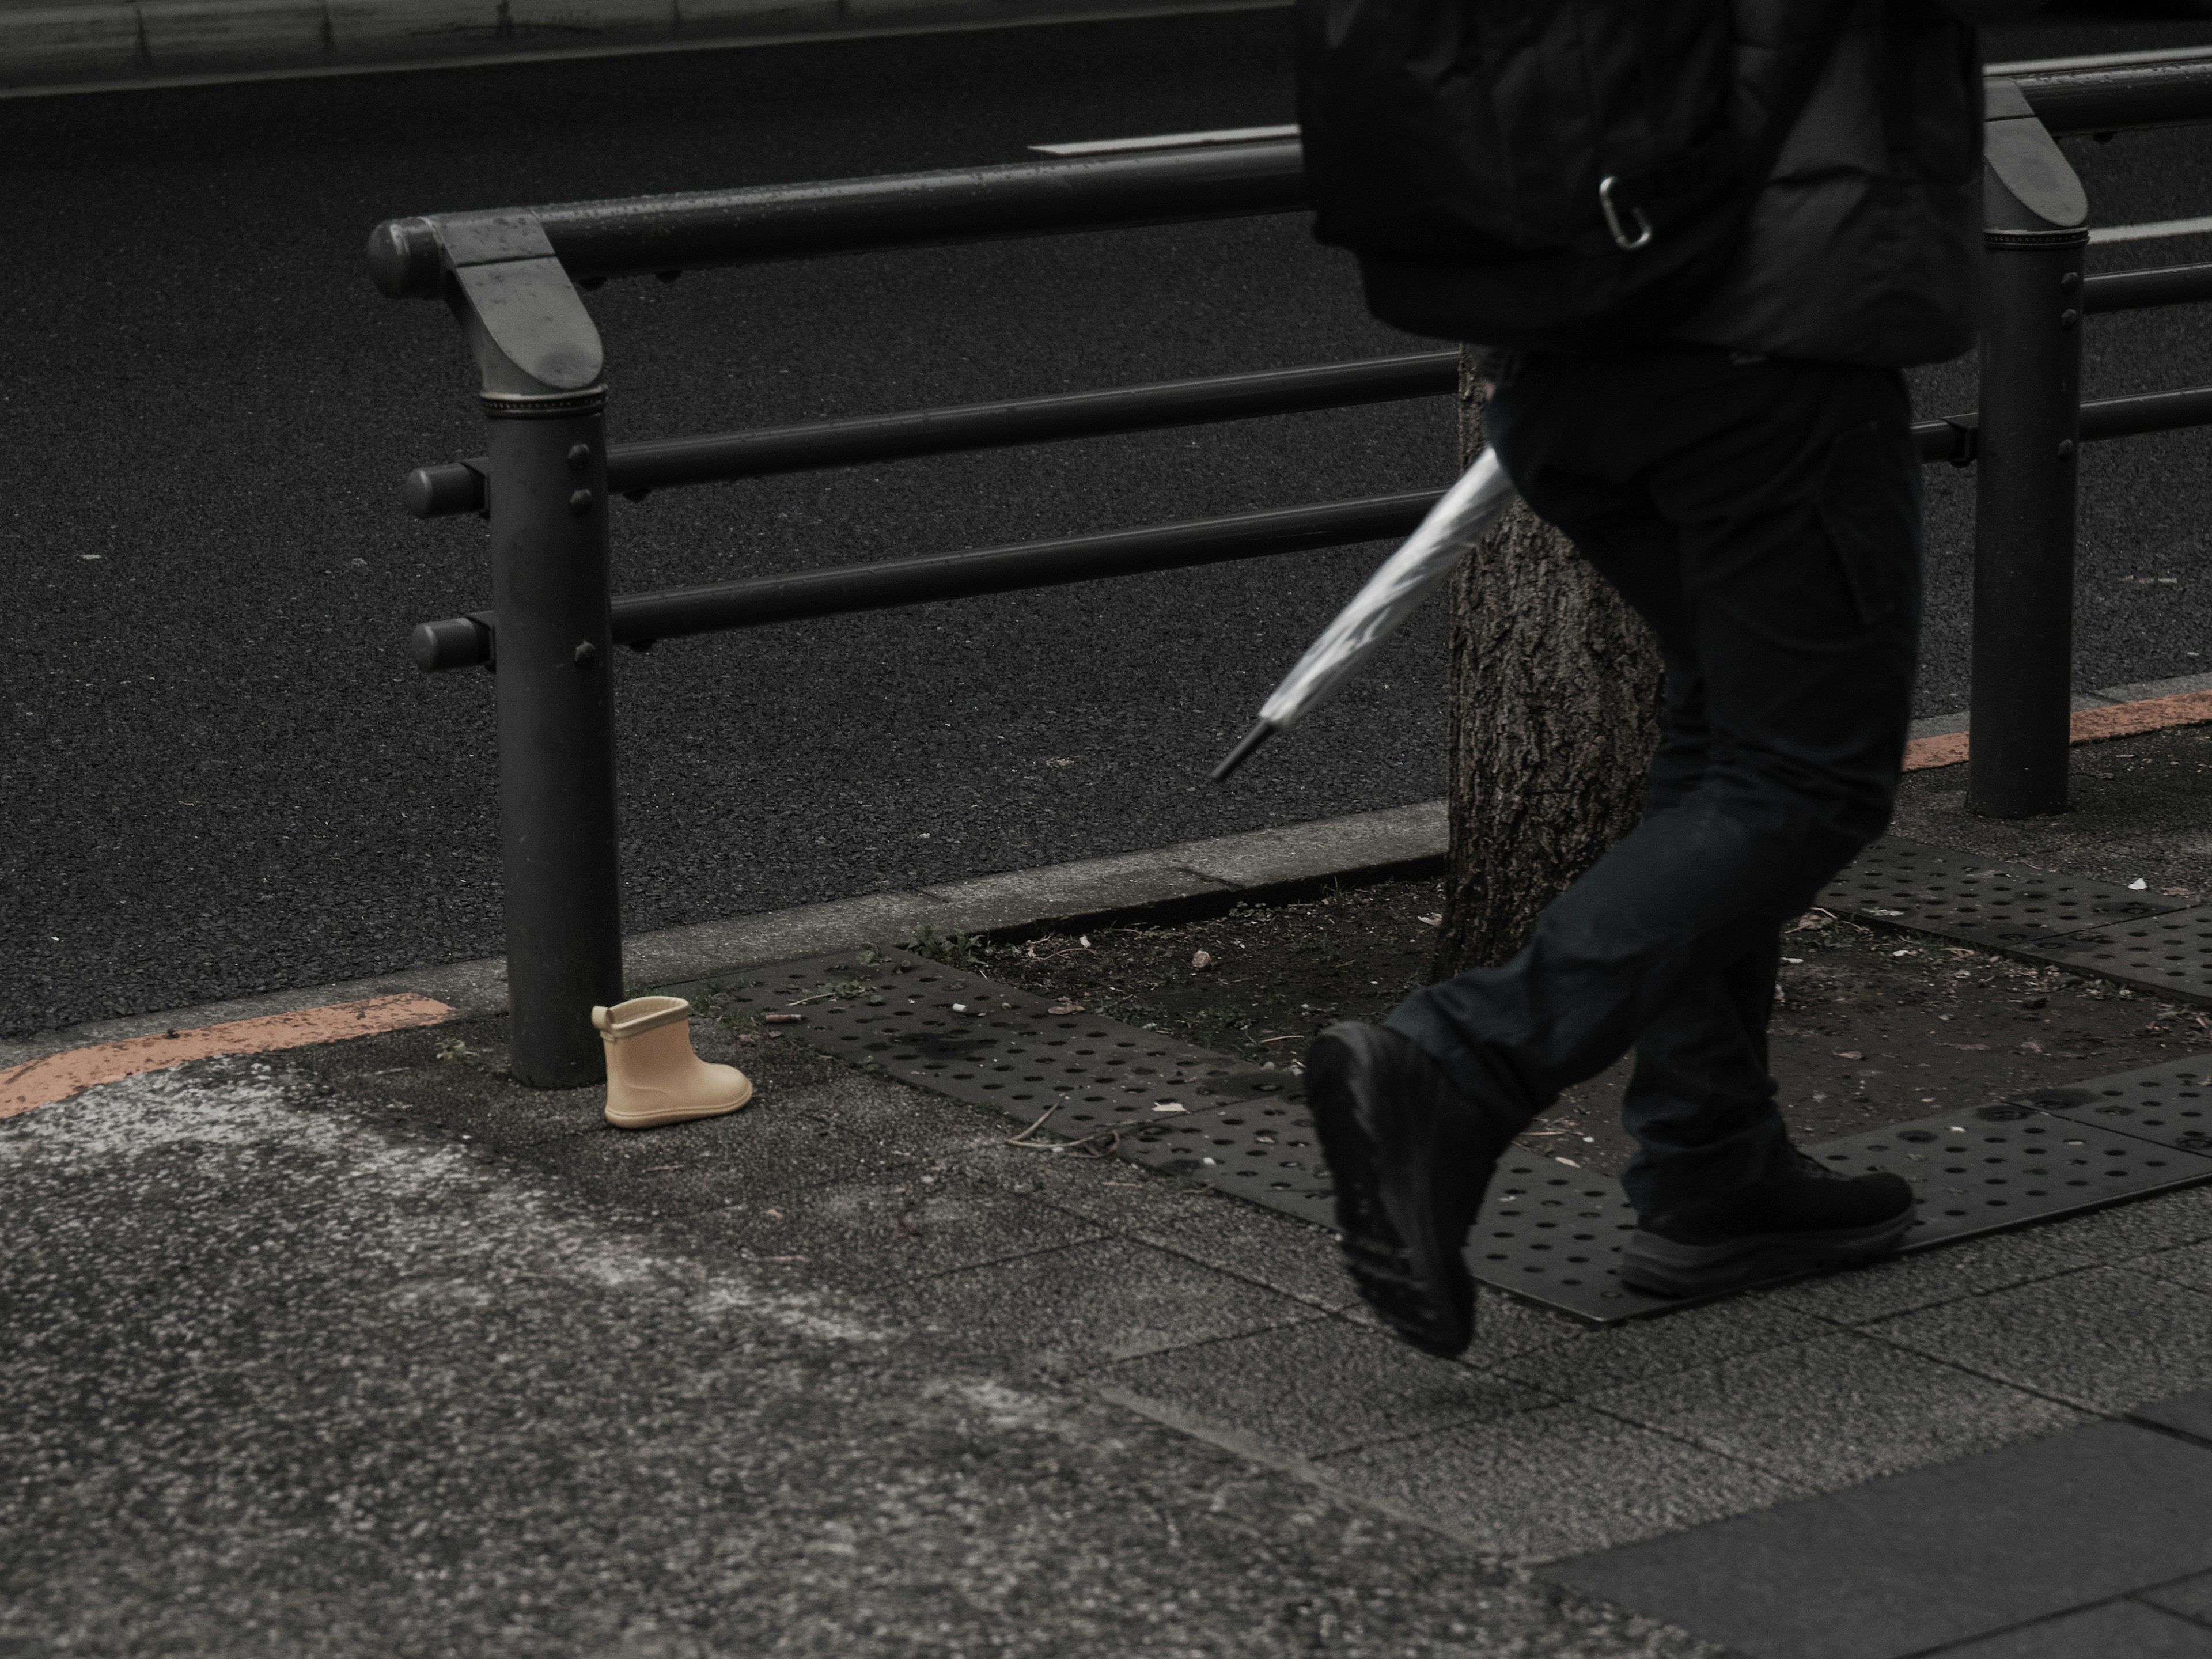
[2028, 439]
[540, 358]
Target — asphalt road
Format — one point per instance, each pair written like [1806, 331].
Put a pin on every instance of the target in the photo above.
[224, 775]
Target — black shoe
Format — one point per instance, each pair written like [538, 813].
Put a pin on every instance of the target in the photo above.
[1802, 1219]
[1410, 1155]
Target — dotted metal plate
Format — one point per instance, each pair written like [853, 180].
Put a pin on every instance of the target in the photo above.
[1554, 1234]
[1547, 1230]
[2170, 953]
[1260, 1150]
[2170, 1104]
[956, 1033]
[2006, 905]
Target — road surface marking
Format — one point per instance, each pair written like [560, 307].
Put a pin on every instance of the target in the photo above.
[54, 1077]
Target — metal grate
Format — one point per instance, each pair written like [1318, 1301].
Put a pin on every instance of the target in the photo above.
[2170, 953]
[2007, 905]
[2170, 1104]
[1262, 1150]
[958, 1034]
[2002, 1165]
[1554, 1234]
[1547, 1230]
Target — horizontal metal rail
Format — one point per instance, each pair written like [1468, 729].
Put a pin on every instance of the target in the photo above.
[2138, 291]
[851, 216]
[694, 229]
[2117, 100]
[641, 619]
[431, 492]
[633, 469]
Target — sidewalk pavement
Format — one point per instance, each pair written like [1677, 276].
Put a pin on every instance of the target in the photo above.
[359, 1348]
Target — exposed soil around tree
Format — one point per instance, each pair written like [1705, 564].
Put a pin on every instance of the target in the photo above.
[1874, 1027]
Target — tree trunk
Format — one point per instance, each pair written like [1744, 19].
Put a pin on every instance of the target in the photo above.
[1555, 704]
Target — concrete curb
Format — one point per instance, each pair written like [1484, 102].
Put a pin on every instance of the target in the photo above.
[117, 45]
[1193, 878]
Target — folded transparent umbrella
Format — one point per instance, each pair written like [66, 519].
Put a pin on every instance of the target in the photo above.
[1393, 593]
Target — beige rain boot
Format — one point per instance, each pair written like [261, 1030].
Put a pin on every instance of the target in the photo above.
[652, 1076]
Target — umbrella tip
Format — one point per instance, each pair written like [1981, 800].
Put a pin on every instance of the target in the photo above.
[1244, 751]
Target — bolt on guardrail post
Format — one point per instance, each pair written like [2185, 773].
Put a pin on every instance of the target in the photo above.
[540, 358]
[2026, 445]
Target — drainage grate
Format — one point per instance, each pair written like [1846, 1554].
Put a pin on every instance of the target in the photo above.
[2169, 1104]
[1999, 904]
[1547, 1231]
[2170, 953]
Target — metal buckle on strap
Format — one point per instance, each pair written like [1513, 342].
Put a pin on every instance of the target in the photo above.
[1621, 238]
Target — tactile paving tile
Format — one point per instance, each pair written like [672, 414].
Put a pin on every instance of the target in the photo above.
[2169, 953]
[2171, 1104]
[1548, 1230]
[2006, 905]
[1262, 1150]
[956, 1033]
[1554, 1234]
[1999, 1166]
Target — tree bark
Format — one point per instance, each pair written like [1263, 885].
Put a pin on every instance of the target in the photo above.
[1555, 712]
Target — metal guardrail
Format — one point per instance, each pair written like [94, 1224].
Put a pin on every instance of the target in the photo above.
[511, 278]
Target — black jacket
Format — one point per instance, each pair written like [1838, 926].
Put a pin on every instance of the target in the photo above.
[1865, 245]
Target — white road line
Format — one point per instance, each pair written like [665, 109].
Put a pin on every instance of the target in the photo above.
[1167, 141]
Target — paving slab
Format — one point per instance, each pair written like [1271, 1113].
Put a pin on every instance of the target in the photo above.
[2001, 1260]
[1083, 1307]
[2189, 1414]
[2188, 1264]
[1541, 1484]
[874, 1234]
[2104, 1338]
[2116, 1629]
[291, 1373]
[1939, 1556]
[2190, 1597]
[1840, 1409]
[1320, 1386]
[1585, 1361]
[1294, 1257]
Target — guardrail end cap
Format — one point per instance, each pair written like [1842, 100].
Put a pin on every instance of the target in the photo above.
[403, 261]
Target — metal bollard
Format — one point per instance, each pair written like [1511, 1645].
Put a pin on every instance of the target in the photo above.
[2028, 438]
[540, 358]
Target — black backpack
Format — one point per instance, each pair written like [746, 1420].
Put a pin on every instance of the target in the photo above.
[1542, 174]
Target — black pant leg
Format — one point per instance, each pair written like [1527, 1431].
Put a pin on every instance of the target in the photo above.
[1792, 491]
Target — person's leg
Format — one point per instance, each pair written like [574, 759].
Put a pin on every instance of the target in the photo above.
[1792, 488]
[1793, 493]
[1701, 1102]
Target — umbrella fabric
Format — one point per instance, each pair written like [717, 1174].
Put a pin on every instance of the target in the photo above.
[1393, 593]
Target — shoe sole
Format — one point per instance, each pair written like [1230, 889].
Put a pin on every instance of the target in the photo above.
[675, 1114]
[1660, 1267]
[1416, 1281]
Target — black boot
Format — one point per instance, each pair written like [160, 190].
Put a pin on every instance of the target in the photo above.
[1803, 1217]
[1410, 1155]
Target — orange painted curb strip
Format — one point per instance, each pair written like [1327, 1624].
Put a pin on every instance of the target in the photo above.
[2121, 720]
[53, 1077]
